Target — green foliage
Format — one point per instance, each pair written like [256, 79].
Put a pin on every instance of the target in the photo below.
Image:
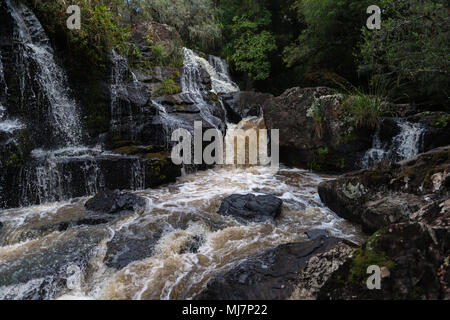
[14, 160]
[250, 43]
[323, 151]
[332, 32]
[441, 122]
[196, 21]
[100, 31]
[366, 110]
[367, 256]
[163, 58]
[168, 87]
[159, 54]
[412, 49]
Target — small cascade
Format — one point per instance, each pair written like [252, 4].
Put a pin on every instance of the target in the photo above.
[37, 54]
[138, 175]
[200, 79]
[59, 175]
[407, 144]
[221, 81]
[7, 126]
[64, 110]
[118, 71]
[170, 123]
[238, 147]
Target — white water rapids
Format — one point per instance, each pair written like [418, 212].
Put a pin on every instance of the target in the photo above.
[177, 213]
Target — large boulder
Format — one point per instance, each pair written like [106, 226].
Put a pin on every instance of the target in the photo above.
[408, 203]
[251, 208]
[413, 257]
[42, 271]
[389, 192]
[276, 274]
[316, 130]
[115, 202]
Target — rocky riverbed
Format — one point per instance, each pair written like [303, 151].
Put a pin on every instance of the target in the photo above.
[168, 247]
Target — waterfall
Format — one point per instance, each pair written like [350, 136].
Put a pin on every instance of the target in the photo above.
[118, 69]
[405, 145]
[216, 68]
[409, 142]
[62, 166]
[6, 125]
[64, 110]
[35, 49]
[199, 79]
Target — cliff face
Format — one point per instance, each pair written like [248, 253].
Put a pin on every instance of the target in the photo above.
[70, 130]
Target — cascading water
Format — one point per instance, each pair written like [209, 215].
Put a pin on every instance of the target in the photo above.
[169, 251]
[407, 144]
[50, 77]
[193, 84]
[172, 248]
[6, 125]
[199, 79]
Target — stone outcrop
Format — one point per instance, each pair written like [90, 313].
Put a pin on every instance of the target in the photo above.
[251, 208]
[389, 192]
[112, 202]
[413, 257]
[316, 131]
[279, 273]
[407, 204]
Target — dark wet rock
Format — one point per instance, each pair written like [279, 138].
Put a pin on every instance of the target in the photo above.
[115, 202]
[126, 248]
[251, 207]
[271, 275]
[250, 104]
[437, 128]
[408, 203]
[316, 130]
[413, 261]
[43, 271]
[389, 192]
[317, 233]
[41, 231]
[319, 269]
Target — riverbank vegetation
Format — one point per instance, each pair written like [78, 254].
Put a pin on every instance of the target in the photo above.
[274, 45]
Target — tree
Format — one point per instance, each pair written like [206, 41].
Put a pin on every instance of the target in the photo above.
[248, 37]
[411, 51]
[251, 46]
[195, 20]
[333, 29]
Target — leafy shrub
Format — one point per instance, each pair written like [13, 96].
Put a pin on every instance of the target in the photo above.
[366, 110]
[412, 49]
[168, 87]
[159, 54]
[100, 31]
